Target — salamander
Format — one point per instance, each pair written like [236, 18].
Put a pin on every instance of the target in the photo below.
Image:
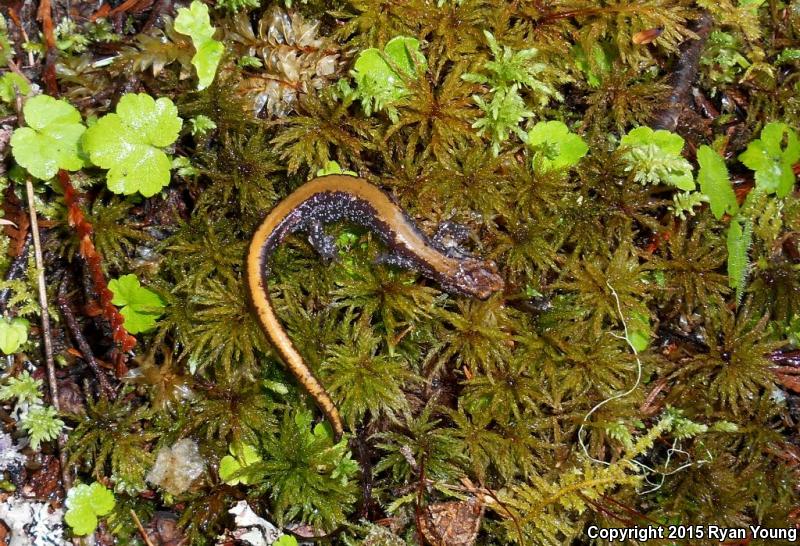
[333, 198]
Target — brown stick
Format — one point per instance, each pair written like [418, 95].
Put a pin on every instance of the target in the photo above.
[83, 345]
[684, 76]
[141, 528]
[46, 335]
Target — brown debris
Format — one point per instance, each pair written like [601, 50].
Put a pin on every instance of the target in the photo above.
[454, 523]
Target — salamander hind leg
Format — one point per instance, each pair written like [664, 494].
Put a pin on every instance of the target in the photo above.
[323, 243]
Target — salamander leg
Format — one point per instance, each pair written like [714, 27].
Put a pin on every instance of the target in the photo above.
[449, 238]
[323, 243]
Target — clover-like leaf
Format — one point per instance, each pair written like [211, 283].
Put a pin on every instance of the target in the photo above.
[195, 23]
[715, 183]
[50, 142]
[13, 333]
[555, 147]
[285, 540]
[771, 161]
[129, 143]
[241, 456]
[140, 306]
[86, 502]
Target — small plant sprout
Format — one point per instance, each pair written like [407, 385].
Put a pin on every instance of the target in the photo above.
[332, 167]
[195, 23]
[200, 125]
[129, 143]
[85, 503]
[13, 334]
[508, 73]
[231, 466]
[379, 75]
[140, 307]
[554, 146]
[715, 183]
[772, 160]
[41, 424]
[50, 141]
[24, 388]
[740, 237]
[12, 83]
[654, 157]
[504, 114]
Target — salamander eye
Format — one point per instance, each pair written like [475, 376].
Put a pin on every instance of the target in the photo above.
[479, 278]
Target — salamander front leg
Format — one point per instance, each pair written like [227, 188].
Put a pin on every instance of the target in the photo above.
[323, 243]
[450, 237]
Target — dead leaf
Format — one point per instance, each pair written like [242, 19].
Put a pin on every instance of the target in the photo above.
[453, 523]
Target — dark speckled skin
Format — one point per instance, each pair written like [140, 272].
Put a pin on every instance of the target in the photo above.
[335, 198]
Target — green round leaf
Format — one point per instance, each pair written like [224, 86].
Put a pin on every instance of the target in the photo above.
[50, 142]
[13, 333]
[82, 520]
[555, 146]
[128, 143]
[141, 307]
[404, 52]
[195, 22]
[205, 62]
[101, 499]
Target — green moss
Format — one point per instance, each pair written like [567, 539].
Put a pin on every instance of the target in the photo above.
[535, 394]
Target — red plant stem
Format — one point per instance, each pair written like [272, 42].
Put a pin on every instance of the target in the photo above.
[45, 16]
[123, 341]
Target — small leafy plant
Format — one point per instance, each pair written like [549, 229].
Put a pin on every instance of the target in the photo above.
[38, 421]
[13, 334]
[50, 141]
[41, 423]
[24, 388]
[508, 73]
[333, 167]
[195, 23]
[231, 466]
[379, 76]
[129, 143]
[654, 157]
[85, 503]
[771, 160]
[12, 83]
[555, 146]
[140, 306]
[715, 183]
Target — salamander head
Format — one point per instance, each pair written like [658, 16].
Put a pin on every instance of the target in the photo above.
[477, 278]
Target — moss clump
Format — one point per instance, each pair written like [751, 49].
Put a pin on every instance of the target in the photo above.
[623, 377]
